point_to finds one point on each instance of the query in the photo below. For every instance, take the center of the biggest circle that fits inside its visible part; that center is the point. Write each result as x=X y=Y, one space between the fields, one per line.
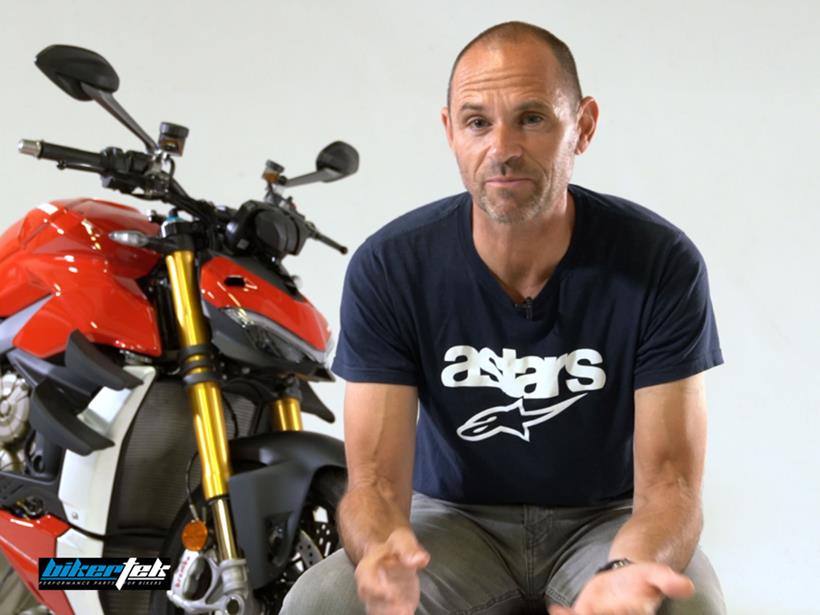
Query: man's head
x=515 y=119
x=512 y=32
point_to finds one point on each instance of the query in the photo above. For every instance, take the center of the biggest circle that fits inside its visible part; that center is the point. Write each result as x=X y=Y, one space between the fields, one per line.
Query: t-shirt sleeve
x=372 y=345
x=679 y=335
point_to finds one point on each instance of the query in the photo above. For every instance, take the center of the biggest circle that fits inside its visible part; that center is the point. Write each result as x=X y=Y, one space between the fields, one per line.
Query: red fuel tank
x=61 y=251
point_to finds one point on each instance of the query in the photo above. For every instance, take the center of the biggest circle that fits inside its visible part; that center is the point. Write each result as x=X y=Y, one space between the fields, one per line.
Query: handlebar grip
x=59 y=153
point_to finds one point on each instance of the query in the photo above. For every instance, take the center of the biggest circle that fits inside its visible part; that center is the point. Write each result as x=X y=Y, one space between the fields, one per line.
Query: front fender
x=311 y=449
x=266 y=502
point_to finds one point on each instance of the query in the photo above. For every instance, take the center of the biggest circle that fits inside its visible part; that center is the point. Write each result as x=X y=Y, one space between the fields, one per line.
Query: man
x=554 y=339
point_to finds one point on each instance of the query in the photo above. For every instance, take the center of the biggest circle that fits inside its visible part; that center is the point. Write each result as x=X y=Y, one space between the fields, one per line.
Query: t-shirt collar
x=485 y=277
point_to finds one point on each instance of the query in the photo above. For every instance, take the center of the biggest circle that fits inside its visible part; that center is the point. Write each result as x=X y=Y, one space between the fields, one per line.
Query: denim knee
x=328 y=588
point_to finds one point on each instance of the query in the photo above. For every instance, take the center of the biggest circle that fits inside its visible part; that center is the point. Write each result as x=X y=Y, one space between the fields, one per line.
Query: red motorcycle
x=125 y=342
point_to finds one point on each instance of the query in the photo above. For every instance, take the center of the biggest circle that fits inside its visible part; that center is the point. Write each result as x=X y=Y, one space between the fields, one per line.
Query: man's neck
x=523 y=256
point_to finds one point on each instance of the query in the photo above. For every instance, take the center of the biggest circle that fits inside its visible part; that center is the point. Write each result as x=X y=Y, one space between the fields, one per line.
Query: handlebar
x=124 y=171
x=275 y=229
x=111 y=160
x=60 y=153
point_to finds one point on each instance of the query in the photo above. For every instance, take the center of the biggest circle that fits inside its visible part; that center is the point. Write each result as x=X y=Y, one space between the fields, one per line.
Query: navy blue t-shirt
x=530 y=403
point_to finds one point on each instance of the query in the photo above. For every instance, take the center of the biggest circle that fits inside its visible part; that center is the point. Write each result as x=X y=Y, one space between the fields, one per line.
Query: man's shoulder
x=424 y=223
x=620 y=213
x=634 y=229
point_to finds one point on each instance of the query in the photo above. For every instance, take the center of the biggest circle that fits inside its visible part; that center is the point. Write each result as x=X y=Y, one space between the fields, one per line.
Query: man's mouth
x=506 y=181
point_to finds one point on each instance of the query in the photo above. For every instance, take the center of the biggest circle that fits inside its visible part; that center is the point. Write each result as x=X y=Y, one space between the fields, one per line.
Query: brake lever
x=325 y=239
x=329 y=242
x=63 y=166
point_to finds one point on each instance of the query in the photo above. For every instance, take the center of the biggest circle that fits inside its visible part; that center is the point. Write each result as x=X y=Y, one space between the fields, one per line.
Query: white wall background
x=709 y=116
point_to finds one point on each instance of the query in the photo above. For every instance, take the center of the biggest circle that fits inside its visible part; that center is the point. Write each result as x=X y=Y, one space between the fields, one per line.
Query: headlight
x=274 y=339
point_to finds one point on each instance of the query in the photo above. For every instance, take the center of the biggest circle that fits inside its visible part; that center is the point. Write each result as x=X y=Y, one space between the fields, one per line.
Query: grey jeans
x=499 y=560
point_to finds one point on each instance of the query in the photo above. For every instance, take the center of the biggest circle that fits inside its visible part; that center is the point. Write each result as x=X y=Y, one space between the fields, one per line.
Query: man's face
x=513 y=129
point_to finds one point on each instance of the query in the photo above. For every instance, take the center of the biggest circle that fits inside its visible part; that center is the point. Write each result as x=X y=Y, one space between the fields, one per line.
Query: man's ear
x=448 y=125
x=587 y=122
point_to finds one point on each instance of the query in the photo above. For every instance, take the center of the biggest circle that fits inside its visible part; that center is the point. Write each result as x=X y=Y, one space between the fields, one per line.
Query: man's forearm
x=664 y=528
x=367 y=515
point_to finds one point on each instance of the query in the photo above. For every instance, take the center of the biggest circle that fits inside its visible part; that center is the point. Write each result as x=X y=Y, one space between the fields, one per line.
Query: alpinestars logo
x=530 y=377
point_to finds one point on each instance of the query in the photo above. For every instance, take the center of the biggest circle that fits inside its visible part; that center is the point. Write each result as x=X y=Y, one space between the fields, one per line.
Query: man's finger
x=415 y=559
x=671 y=583
x=404 y=544
x=557 y=609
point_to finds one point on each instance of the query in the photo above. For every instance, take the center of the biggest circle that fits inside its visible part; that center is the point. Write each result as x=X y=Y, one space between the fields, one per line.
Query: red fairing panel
x=62 y=249
x=23 y=541
x=257 y=295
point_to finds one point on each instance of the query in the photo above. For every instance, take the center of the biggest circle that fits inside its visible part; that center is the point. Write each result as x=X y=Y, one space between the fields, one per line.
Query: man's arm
x=380 y=437
x=669 y=448
x=661 y=535
x=374 y=515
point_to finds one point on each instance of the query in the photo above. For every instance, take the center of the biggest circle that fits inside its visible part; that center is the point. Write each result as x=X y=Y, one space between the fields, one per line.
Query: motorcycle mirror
x=71 y=67
x=86 y=75
x=339 y=157
x=335 y=161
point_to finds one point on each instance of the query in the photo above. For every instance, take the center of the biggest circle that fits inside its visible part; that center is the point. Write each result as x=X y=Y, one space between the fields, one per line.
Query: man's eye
x=533 y=118
x=477 y=122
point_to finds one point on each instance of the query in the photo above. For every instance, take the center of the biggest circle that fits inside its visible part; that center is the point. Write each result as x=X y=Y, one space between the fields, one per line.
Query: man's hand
x=387 y=575
x=637 y=589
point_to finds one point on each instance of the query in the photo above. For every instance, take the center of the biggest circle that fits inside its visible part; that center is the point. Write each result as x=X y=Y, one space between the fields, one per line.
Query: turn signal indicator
x=195 y=535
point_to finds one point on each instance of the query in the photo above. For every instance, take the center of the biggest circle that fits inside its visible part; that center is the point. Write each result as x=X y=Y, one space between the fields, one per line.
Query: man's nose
x=505 y=143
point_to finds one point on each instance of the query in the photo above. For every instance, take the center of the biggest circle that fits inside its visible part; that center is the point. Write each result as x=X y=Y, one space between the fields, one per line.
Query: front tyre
x=317 y=538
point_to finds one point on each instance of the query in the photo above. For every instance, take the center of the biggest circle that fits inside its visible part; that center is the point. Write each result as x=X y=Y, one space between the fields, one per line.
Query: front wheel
x=317 y=538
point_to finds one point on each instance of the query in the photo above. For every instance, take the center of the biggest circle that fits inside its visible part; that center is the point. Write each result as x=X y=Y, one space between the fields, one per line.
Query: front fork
x=205 y=396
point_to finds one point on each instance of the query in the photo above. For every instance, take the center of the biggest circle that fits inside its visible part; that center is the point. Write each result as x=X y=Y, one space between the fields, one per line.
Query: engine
x=14 y=410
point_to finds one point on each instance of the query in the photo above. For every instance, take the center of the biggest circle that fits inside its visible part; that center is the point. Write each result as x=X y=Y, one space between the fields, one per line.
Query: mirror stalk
x=106 y=101
x=335 y=161
x=325 y=175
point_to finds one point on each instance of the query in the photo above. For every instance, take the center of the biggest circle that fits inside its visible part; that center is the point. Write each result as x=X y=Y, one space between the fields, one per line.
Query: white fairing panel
x=75 y=544
x=87 y=482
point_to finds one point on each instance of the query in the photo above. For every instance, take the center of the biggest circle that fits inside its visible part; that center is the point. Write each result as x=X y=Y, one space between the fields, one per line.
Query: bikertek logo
x=104 y=573
x=530 y=377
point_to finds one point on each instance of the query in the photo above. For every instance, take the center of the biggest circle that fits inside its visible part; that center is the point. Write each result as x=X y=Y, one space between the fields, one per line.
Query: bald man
x=554 y=340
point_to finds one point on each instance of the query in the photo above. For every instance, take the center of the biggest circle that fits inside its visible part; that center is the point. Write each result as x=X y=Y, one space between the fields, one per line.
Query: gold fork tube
x=211 y=438
x=224 y=529
x=205 y=398
x=287 y=414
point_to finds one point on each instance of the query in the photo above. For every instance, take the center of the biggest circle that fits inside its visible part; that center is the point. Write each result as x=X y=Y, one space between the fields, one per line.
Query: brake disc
x=307 y=551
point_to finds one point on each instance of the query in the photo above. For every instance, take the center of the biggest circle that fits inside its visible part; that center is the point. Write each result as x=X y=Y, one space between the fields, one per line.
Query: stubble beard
x=504 y=207
x=523 y=211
